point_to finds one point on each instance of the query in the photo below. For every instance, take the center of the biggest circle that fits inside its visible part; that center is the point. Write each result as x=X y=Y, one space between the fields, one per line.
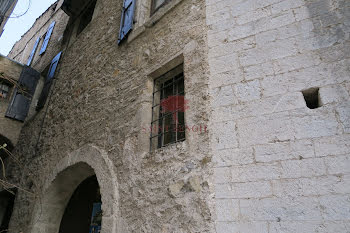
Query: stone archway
x=63 y=181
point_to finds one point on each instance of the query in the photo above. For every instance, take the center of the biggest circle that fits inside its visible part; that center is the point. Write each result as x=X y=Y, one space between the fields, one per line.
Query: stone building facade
x=6 y=9
x=267 y=117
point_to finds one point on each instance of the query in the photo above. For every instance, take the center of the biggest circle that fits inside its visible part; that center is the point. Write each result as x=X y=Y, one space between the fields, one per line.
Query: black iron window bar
x=162 y=132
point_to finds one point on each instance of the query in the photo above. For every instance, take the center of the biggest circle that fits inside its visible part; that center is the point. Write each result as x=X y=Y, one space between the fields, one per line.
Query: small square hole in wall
x=312 y=98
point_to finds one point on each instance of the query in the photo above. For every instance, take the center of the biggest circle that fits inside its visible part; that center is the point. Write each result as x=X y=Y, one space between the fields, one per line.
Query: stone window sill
x=158 y=15
x=172 y=148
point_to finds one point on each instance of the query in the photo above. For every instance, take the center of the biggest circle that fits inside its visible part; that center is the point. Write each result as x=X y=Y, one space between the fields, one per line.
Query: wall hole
x=312 y=98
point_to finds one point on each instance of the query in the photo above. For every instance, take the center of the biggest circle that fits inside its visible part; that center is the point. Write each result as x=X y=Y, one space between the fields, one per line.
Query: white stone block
x=284 y=151
x=244 y=190
x=338 y=164
x=232 y=157
x=265 y=129
x=222 y=175
x=248 y=91
x=255 y=172
x=335 y=145
x=296 y=62
x=233 y=46
x=301 y=13
x=259 y=71
x=312 y=124
x=253 y=15
x=226 y=78
x=224 y=64
x=286 y=5
x=335 y=207
x=270 y=51
x=223 y=96
x=303 y=168
x=334 y=94
x=227 y=209
x=343 y=111
x=224 y=135
x=324 y=185
x=241 y=227
x=218 y=16
x=281 y=209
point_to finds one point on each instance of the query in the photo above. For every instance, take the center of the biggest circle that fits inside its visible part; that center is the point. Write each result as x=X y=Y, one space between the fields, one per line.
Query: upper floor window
x=4 y=89
x=168 y=117
x=86 y=17
x=156 y=4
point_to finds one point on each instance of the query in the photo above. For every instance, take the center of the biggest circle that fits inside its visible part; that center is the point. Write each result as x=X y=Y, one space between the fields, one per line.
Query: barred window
x=169 y=105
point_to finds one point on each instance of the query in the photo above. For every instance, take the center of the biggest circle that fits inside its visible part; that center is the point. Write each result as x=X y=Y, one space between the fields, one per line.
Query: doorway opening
x=7 y=200
x=83 y=212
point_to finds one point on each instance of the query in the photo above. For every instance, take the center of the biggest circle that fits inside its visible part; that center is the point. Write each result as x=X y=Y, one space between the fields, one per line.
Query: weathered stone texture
x=279 y=166
x=103 y=96
x=268 y=163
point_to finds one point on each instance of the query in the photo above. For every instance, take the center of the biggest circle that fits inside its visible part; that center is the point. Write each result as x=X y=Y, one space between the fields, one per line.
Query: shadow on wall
x=331 y=20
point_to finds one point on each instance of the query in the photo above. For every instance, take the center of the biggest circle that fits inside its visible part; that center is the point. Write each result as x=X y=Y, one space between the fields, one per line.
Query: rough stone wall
x=280 y=166
x=103 y=96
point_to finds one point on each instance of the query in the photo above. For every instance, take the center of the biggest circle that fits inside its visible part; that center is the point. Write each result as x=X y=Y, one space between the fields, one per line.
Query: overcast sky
x=16 y=27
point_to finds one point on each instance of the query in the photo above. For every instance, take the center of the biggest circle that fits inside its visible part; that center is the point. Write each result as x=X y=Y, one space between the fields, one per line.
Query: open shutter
x=30 y=59
x=127 y=19
x=47 y=37
x=22 y=96
x=48 y=82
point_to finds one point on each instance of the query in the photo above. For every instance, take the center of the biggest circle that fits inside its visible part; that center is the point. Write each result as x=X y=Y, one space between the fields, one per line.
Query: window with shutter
x=48 y=82
x=23 y=93
x=127 y=19
x=31 y=56
x=47 y=37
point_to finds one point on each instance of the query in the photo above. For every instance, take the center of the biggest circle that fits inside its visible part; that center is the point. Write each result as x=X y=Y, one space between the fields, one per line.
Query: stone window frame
x=144 y=19
x=146 y=98
x=154 y=9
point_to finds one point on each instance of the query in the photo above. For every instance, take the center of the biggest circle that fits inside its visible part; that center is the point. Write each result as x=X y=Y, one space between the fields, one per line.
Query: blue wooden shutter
x=47 y=37
x=22 y=96
x=48 y=82
x=127 y=19
x=30 y=59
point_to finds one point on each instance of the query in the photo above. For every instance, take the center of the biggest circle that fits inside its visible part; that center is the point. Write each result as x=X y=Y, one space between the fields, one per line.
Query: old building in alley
x=181 y=116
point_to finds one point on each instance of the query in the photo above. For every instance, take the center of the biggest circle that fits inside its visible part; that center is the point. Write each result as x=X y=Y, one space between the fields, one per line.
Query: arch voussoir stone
x=64 y=179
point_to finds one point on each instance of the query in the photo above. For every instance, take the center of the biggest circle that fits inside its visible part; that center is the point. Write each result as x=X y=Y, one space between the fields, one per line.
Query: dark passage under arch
x=77 y=215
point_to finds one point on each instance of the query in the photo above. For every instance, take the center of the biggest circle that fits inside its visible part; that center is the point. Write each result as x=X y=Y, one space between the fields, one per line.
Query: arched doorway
x=83 y=213
x=80 y=168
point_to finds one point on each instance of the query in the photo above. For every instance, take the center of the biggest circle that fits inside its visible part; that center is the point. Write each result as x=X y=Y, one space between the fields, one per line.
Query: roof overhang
x=73 y=7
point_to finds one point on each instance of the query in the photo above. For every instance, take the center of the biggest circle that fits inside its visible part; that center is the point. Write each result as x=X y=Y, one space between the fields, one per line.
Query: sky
x=17 y=26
